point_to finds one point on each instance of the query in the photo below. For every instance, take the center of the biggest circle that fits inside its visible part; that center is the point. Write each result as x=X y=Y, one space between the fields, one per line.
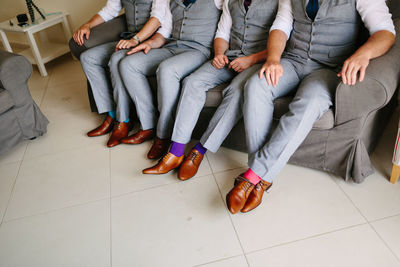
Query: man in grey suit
x=101 y=63
x=320 y=53
x=181 y=46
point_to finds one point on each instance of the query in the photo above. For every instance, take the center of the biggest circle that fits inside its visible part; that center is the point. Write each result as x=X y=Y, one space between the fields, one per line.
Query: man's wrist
x=137 y=39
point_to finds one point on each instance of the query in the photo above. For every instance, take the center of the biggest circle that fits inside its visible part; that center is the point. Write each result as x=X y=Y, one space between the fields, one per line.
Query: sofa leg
x=395 y=174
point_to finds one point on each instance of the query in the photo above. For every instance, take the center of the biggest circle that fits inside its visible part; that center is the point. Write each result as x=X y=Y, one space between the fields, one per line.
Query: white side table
x=41 y=52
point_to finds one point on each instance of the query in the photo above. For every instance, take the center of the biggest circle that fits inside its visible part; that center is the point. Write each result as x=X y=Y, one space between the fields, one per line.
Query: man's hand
x=220 y=61
x=273 y=71
x=241 y=63
x=84 y=30
x=126 y=44
x=352 y=66
x=145 y=47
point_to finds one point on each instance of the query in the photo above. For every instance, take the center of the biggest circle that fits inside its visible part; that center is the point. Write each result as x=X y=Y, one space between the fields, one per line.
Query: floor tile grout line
x=384 y=218
x=61 y=151
x=56 y=210
x=384 y=242
x=348 y=197
x=219 y=260
x=49 y=73
x=366 y=219
x=230 y=218
x=157 y=186
x=14 y=184
x=307 y=238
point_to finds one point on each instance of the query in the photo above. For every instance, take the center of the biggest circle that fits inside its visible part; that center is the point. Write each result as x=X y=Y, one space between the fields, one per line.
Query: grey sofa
x=20 y=117
x=342 y=139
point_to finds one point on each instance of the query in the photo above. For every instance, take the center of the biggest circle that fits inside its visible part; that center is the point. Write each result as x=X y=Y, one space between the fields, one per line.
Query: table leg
x=5 y=42
x=36 y=54
x=395 y=174
x=67 y=32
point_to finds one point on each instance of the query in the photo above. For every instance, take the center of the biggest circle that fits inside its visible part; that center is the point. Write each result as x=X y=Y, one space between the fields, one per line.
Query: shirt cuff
x=222 y=36
x=385 y=27
x=164 y=32
x=286 y=30
x=105 y=16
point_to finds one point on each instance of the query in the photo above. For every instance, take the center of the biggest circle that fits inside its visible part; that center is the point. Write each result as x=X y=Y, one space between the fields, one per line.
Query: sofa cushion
x=281 y=106
x=6 y=101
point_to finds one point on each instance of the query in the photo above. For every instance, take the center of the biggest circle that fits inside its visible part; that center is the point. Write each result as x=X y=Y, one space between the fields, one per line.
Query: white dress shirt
x=114 y=7
x=166 y=27
x=374 y=13
x=225 y=23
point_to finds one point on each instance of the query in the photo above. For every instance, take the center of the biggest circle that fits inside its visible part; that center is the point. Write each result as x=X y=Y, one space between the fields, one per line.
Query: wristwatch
x=136 y=38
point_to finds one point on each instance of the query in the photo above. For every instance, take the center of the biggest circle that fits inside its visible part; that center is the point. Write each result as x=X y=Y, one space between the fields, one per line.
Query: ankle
x=199 y=147
x=252 y=177
x=177 y=149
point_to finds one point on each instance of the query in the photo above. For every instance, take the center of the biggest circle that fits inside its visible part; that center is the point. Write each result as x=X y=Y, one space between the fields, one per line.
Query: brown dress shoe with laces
x=104 y=128
x=190 y=165
x=159 y=148
x=256 y=195
x=166 y=164
x=139 y=137
x=237 y=197
x=121 y=130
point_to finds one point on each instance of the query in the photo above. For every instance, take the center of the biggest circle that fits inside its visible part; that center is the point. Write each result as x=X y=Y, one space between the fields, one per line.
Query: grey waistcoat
x=331 y=38
x=249 y=32
x=137 y=13
x=195 y=25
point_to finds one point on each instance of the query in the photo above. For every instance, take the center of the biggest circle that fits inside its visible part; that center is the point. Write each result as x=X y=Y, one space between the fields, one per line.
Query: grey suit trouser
x=171 y=64
x=193 y=98
x=101 y=66
x=314 y=86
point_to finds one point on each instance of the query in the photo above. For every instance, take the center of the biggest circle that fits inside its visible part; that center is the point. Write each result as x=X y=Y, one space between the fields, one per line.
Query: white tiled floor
x=67 y=200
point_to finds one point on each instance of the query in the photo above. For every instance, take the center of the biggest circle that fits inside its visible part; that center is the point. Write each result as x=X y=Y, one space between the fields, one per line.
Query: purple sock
x=177 y=149
x=199 y=147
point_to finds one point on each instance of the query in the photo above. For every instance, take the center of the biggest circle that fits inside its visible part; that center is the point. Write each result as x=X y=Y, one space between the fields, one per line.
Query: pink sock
x=252 y=177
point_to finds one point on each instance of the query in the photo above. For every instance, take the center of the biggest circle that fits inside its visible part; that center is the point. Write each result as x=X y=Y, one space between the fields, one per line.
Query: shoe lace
x=193 y=156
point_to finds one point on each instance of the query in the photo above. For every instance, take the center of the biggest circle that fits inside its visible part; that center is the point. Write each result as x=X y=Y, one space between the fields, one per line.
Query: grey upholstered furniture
x=342 y=139
x=20 y=117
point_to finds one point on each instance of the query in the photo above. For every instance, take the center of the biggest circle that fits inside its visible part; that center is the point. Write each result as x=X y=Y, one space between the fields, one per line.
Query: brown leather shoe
x=166 y=164
x=237 y=197
x=190 y=165
x=159 y=148
x=139 y=137
x=121 y=130
x=104 y=128
x=256 y=195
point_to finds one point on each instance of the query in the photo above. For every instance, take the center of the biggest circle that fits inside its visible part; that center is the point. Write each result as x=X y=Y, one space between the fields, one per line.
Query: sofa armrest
x=381 y=81
x=103 y=33
x=15 y=71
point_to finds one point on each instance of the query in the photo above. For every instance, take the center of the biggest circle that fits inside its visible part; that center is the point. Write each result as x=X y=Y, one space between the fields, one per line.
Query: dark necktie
x=312 y=9
x=247 y=3
x=188 y=2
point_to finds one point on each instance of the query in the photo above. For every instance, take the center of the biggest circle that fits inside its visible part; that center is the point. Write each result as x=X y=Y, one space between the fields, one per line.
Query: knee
x=87 y=57
x=255 y=91
x=127 y=67
x=165 y=69
x=115 y=59
x=314 y=105
x=192 y=86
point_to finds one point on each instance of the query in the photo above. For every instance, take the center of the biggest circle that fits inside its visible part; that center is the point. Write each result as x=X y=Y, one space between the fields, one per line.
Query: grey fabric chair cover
x=20 y=117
